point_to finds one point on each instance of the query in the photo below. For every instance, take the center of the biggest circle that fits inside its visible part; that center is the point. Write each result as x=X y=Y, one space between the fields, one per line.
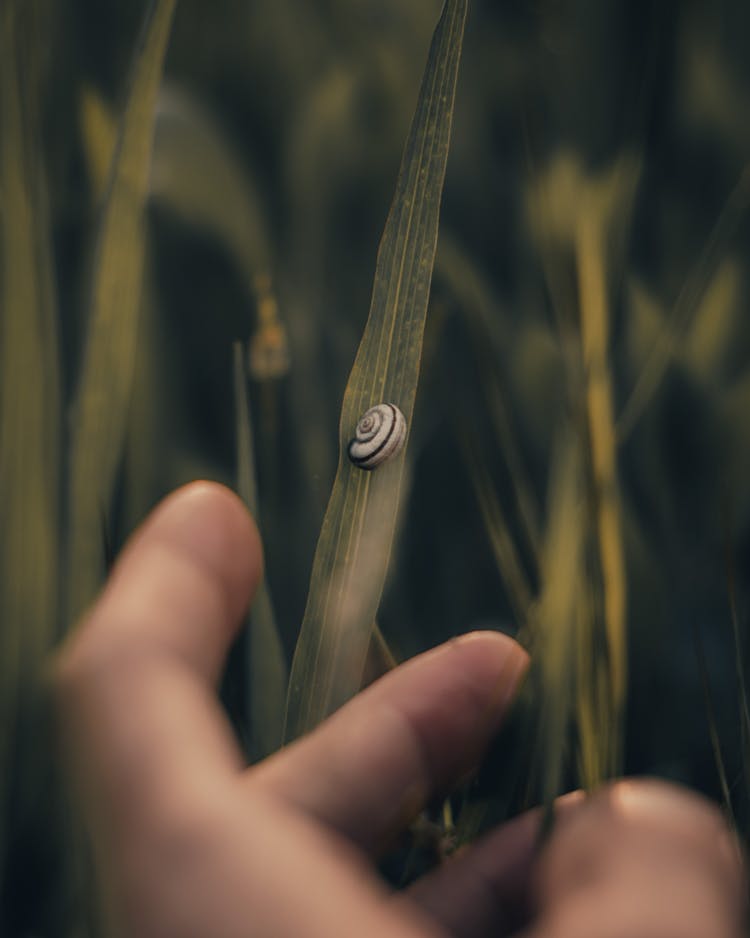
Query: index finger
x=411 y=736
x=135 y=681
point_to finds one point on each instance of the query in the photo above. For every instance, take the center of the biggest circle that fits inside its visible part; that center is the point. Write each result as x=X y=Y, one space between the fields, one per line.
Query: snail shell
x=379 y=435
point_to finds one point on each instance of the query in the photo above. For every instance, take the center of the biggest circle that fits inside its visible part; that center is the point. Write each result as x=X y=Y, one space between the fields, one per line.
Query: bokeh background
x=278 y=138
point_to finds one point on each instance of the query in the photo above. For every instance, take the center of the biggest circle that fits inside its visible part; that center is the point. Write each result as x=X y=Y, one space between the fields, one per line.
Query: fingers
x=637 y=859
x=486 y=888
x=182 y=583
x=641 y=858
x=413 y=734
x=180 y=848
x=134 y=681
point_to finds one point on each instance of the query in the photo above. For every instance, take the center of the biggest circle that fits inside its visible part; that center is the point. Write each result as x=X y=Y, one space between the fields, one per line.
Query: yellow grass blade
x=105 y=383
x=558 y=615
x=586 y=217
x=719 y=319
x=590 y=241
x=29 y=419
x=266 y=672
x=99 y=133
x=352 y=555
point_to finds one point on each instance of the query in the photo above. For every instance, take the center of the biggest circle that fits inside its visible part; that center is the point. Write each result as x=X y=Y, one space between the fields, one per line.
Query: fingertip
x=210 y=524
x=492 y=650
x=639 y=819
x=181 y=585
x=409 y=737
x=492 y=662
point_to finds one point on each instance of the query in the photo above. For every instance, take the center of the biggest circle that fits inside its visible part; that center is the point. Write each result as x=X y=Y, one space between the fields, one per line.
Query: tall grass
x=266 y=672
x=603 y=676
x=30 y=413
x=105 y=383
x=574 y=380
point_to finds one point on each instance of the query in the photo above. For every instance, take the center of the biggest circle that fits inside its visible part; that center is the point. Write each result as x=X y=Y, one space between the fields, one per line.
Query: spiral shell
x=380 y=434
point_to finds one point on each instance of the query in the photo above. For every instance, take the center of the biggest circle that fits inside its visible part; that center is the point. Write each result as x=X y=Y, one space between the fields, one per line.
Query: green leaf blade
x=351 y=559
x=266 y=665
x=30 y=407
x=105 y=384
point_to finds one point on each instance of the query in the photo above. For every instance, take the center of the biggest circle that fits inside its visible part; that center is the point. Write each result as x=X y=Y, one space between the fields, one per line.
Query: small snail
x=379 y=435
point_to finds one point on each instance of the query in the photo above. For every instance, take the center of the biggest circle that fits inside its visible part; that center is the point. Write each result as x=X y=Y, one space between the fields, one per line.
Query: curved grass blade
x=713 y=727
x=266 y=669
x=528 y=762
x=352 y=555
x=29 y=429
x=499 y=534
x=199 y=176
x=106 y=378
x=685 y=306
x=489 y=334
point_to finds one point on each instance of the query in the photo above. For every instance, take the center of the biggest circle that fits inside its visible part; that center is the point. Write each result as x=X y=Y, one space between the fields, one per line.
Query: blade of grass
x=713 y=726
x=552 y=195
x=605 y=506
x=497 y=792
x=712 y=336
x=739 y=658
x=29 y=419
x=266 y=672
x=489 y=337
x=380 y=657
x=199 y=176
x=352 y=555
x=99 y=134
x=557 y=621
x=143 y=433
x=685 y=306
x=498 y=532
x=105 y=383
x=596 y=727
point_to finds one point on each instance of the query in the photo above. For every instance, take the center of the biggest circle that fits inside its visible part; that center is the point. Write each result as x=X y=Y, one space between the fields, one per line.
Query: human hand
x=190 y=842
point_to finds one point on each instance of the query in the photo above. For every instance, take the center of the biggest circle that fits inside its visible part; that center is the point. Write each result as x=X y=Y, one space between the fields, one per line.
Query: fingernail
x=500 y=664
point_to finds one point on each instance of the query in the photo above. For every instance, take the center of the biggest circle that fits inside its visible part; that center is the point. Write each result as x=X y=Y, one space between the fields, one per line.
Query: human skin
x=190 y=842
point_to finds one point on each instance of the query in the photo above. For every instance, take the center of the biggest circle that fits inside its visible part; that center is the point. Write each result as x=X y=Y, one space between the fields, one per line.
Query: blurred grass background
x=585 y=392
